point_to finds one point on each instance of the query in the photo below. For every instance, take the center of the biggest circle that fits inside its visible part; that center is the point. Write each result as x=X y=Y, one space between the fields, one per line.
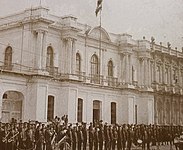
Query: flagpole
x=100 y=44
x=99 y=10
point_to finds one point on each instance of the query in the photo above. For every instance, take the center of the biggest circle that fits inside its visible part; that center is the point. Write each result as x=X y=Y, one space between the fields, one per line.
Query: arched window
x=50 y=111
x=78 y=63
x=94 y=65
x=49 y=58
x=166 y=75
x=113 y=113
x=160 y=111
x=5 y=96
x=80 y=110
x=175 y=77
x=110 y=68
x=175 y=113
x=8 y=58
x=168 y=112
x=95 y=77
x=158 y=74
x=133 y=74
x=12 y=106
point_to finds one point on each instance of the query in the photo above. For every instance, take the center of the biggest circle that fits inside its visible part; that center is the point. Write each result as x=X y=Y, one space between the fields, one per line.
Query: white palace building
x=52 y=65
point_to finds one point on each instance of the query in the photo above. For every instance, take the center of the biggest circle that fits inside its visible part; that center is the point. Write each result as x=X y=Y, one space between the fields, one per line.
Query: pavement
x=162 y=147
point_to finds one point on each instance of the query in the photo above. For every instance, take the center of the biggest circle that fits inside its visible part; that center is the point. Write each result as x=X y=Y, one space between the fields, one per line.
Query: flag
x=99 y=6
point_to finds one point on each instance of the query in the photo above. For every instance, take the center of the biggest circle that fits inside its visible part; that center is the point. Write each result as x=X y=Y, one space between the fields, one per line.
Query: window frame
x=113 y=112
x=80 y=110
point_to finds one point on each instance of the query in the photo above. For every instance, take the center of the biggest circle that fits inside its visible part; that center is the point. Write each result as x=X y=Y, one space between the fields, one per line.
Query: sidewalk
x=162 y=147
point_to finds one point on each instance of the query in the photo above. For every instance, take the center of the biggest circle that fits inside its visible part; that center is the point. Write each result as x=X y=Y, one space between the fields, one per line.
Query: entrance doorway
x=96 y=110
x=12 y=106
x=50 y=109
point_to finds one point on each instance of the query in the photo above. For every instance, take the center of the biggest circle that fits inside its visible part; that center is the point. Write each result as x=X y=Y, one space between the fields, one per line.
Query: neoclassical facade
x=52 y=65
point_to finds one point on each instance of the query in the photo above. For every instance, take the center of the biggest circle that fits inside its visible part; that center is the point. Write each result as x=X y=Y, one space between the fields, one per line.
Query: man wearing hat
x=84 y=132
x=80 y=137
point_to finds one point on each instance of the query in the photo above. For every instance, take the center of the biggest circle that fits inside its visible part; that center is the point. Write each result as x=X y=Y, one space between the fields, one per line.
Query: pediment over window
x=95 y=33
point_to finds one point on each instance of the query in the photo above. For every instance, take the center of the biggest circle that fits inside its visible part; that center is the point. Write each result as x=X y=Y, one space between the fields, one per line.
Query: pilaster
x=44 y=50
x=70 y=55
x=39 y=49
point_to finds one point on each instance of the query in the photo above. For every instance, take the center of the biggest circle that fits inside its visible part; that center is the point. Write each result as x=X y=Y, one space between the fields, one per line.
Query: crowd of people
x=59 y=134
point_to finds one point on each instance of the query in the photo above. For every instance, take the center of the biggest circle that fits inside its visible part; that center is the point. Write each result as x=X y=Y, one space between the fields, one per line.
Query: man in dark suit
x=69 y=134
x=106 y=137
x=84 y=132
x=115 y=137
x=91 y=137
x=119 y=145
x=129 y=137
x=96 y=138
x=80 y=137
x=74 y=137
x=101 y=137
x=1 y=135
x=123 y=136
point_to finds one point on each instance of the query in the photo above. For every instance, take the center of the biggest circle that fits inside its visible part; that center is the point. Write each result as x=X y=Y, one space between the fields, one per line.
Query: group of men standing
x=82 y=136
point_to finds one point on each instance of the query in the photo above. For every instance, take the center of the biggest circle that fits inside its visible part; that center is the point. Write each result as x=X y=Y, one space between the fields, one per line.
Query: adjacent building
x=53 y=65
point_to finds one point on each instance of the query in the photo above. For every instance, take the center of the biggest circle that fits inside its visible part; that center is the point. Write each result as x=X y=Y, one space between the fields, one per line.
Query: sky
x=162 y=19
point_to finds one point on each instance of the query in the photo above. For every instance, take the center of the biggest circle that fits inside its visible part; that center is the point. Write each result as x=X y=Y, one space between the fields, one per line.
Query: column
x=164 y=110
x=44 y=50
x=155 y=80
x=163 y=72
x=179 y=76
x=65 y=55
x=122 y=68
x=130 y=69
x=39 y=46
x=179 y=113
x=168 y=74
x=171 y=75
x=143 y=72
x=69 y=55
x=138 y=72
x=126 y=69
x=155 y=112
x=73 y=60
x=149 y=74
x=172 y=110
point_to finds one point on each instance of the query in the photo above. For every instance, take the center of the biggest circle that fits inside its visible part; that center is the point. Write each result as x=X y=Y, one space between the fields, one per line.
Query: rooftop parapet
x=70 y=21
x=37 y=11
x=167 y=50
x=126 y=40
x=144 y=45
x=24 y=15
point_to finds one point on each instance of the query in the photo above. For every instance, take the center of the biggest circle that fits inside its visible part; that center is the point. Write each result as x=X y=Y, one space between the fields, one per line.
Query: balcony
x=96 y=79
x=52 y=70
x=111 y=81
x=6 y=67
x=81 y=75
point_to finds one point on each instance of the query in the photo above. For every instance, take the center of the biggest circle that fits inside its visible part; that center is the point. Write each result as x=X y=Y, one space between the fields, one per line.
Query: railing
x=81 y=75
x=164 y=49
x=52 y=70
x=112 y=81
x=175 y=88
x=96 y=79
x=6 y=67
x=14 y=67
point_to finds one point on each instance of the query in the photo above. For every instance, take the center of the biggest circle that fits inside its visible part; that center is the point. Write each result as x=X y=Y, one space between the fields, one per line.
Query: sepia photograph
x=91 y=74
